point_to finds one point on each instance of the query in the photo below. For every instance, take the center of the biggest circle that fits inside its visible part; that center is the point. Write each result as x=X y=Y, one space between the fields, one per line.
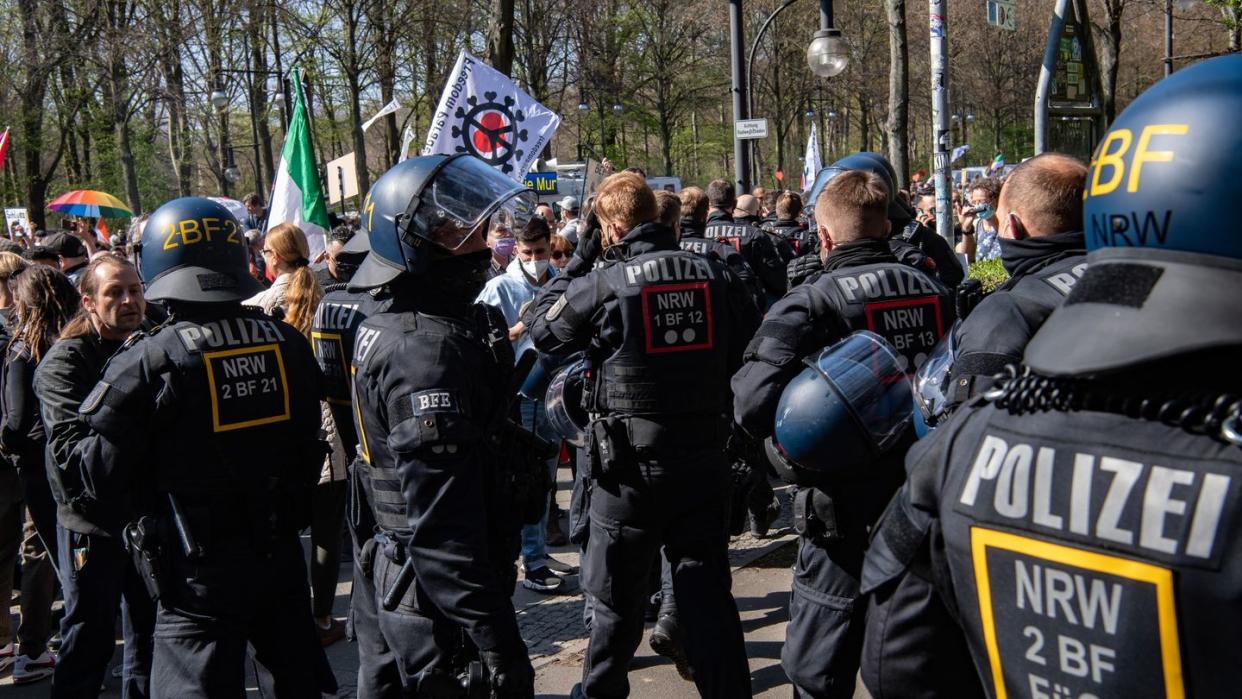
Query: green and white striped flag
x=296 y=196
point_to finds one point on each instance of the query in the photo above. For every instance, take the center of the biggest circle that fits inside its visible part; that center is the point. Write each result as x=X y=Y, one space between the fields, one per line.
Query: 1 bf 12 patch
x=248 y=387
x=677 y=317
x=1064 y=623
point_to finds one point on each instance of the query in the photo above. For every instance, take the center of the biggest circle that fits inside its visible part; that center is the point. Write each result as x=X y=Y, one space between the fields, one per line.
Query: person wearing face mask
x=529 y=271
x=501 y=241
x=1043 y=249
x=980 y=225
x=431 y=381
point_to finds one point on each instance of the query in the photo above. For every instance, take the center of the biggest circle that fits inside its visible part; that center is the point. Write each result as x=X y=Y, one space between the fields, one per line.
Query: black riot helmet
x=432 y=207
x=193 y=250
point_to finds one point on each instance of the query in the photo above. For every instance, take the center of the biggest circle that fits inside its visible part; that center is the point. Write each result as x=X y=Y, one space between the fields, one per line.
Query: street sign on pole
x=750 y=128
x=1000 y=14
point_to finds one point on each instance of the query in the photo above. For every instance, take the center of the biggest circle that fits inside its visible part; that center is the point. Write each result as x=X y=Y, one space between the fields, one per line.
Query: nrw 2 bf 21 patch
x=1061 y=622
x=248 y=387
x=677 y=317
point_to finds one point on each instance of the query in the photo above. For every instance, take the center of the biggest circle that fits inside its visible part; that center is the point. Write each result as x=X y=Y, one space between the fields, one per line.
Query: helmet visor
x=931 y=381
x=864 y=371
x=461 y=196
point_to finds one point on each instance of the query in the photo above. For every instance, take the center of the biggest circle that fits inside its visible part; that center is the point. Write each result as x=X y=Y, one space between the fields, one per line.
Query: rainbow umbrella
x=90 y=203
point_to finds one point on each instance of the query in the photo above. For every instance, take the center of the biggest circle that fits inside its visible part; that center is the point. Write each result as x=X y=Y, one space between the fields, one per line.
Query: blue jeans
x=534 y=536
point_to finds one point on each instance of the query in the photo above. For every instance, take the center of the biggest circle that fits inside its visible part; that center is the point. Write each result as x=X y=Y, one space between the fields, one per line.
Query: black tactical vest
x=233 y=433
x=427 y=396
x=804 y=241
x=1093 y=554
x=669 y=354
x=333 y=330
x=906 y=307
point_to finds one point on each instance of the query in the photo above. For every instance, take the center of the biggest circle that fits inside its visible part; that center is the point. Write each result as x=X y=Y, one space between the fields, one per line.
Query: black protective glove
x=512 y=674
x=969 y=294
x=802 y=268
x=588 y=249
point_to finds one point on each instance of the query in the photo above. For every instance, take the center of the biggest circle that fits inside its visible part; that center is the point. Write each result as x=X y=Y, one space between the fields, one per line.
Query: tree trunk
x=500 y=37
x=1110 y=56
x=265 y=168
x=898 y=91
x=353 y=77
x=32 y=94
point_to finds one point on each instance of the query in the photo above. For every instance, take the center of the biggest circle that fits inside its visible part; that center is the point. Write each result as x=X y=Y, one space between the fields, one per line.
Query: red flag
x=101 y=229
x=4 y=146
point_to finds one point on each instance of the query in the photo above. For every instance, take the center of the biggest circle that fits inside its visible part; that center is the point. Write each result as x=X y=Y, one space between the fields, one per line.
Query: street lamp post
x=220 y=99
x=583 y=108
x=741 y=153
x=618 y=109
x=827 y=55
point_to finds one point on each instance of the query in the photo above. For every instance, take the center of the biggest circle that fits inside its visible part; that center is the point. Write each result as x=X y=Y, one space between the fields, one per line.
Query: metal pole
x=1045 y=76
x=825 y=14
x=741 y=155
x=940 y=116
x=1168 y=38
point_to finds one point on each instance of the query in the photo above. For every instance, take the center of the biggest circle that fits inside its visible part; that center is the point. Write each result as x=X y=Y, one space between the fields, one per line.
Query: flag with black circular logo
x=484 y=113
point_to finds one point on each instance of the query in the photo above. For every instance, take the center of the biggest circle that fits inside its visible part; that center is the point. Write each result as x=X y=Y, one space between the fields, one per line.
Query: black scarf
x=858 y=253
x=1022 y=257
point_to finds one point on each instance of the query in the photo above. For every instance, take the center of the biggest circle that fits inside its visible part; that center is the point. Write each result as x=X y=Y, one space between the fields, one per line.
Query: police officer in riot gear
x=432 y=378
x=754 y=244
x=1079 y=519
x=802 y=240
x=333 y=334
x=1042 y=248
x=201 y=458
x=690 y=227
x=663 y=329
x=862 y=287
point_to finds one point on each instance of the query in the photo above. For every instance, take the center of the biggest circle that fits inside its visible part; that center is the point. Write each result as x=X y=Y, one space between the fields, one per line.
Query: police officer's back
x=1043 y=250
x=202 y=456
x=1083 y=513
x=863 y=287
x=754 y=245
x=430 y=383
x=690 y=229
x=801 y=239
x=663 y=329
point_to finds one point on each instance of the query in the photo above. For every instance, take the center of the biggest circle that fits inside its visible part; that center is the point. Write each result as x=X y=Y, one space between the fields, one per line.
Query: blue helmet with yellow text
x=1165 y=251
x=194 y=250
x=433 y=205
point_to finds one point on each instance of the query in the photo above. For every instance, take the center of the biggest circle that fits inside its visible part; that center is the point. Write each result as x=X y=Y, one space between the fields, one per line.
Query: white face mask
x=535 y=268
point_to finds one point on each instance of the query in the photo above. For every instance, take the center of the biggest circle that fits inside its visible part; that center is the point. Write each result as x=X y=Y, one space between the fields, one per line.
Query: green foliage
x=990 y=273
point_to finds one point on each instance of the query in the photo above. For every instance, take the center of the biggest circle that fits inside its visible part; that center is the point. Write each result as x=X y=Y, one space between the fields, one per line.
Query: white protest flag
x=385 y=111
x=485 y=114
x=407 y=137
x=811 y=163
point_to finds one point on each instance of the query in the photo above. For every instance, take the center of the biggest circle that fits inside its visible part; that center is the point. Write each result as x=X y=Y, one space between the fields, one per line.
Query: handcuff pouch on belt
x=815 y=516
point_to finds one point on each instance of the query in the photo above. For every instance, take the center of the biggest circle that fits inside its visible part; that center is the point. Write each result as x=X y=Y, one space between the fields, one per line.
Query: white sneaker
x=7 y=655
x=29 y=669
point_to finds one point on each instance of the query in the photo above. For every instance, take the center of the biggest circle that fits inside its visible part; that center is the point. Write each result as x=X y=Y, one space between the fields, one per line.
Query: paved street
x=552 y=626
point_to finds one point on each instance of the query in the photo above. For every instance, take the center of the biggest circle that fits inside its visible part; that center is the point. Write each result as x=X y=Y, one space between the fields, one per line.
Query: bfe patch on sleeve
x=677 y=317
x=248 y=387
x=1065 y=623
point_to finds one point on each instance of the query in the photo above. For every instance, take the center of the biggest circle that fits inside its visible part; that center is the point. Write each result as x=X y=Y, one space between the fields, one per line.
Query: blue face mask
x=985 y=212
